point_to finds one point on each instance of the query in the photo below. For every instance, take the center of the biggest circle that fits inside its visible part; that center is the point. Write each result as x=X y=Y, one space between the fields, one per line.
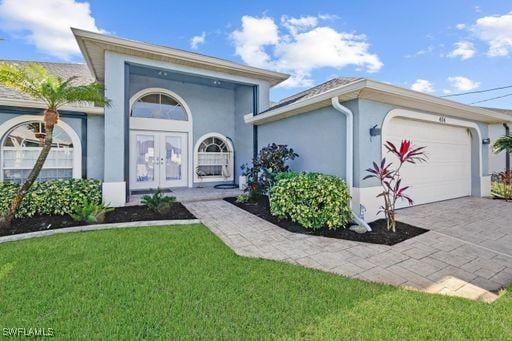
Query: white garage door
x=447 y=172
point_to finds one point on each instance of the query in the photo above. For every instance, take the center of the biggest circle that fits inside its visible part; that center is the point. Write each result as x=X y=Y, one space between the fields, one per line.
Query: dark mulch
x=118 y=215
x=378 y=235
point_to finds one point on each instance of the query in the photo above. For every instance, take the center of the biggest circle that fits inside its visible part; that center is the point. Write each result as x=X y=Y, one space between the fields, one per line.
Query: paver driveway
x=469 y=243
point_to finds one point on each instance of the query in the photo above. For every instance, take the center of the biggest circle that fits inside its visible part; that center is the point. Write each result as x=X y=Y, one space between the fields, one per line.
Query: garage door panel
x=447 y=172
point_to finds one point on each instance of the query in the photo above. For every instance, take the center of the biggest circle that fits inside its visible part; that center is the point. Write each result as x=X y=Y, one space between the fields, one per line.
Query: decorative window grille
x=159 y=105
x=214 y=159
x=21 y=147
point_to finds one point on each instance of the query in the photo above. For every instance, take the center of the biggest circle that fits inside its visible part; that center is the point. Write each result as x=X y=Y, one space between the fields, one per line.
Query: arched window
x=21 y=147
x=214 y=158
x=159 y=105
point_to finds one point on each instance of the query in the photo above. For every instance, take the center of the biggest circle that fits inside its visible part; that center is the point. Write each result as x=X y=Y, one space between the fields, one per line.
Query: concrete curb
x=96 y=227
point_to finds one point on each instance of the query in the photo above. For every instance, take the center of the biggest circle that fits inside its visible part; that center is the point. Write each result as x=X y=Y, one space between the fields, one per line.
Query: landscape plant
x=501 y=186
x=158 y=201
x=34 y=80
x=90 y=212
x=504 y=143
x=313 y=200
x=391 y=180
x=271 y=160
x=54 y=197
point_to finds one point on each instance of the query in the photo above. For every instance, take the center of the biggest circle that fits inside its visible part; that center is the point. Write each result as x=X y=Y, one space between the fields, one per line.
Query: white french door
x=157 y=159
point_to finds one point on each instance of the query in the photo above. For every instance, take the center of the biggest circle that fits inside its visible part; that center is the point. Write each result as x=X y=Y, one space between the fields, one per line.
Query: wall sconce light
x=375 y=131
x=486 y=141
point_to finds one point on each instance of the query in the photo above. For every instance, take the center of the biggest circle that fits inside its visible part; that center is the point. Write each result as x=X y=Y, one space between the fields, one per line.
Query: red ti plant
x=390 y=179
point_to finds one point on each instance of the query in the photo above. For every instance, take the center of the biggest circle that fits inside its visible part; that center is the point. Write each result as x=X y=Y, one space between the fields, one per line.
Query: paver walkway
x=466 y=251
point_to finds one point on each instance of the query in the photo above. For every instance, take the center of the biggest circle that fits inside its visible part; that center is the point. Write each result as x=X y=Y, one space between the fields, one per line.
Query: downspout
x=349 y=171
x=507 y=153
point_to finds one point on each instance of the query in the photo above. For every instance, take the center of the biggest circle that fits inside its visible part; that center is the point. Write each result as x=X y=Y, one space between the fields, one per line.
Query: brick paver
x=448 y=254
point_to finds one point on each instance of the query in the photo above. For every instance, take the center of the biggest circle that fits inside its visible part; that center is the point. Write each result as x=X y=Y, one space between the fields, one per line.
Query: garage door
x=447 y=172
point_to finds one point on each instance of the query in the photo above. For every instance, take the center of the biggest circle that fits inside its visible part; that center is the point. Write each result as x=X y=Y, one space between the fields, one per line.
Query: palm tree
x=503 y=143
x=55 y=92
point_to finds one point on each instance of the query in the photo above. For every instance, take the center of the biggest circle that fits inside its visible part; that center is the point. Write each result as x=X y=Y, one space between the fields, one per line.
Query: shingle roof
x=63 y=70
x=500 y=110
x=316 y=90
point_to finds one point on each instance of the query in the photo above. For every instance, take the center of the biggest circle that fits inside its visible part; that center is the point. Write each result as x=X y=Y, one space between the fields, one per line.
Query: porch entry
x=158 y=159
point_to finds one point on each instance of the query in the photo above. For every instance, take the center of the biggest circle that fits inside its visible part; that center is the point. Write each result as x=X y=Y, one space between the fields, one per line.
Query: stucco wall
x=243 y=131
x=95 y=146
x=496 y=161
x=318 y=137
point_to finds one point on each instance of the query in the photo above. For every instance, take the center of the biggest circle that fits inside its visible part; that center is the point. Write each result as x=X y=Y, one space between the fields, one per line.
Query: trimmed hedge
x=55 y=197
x=312 y=200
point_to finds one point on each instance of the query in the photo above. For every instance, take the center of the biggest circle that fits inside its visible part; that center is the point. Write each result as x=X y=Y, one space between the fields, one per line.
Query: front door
x=157 y=159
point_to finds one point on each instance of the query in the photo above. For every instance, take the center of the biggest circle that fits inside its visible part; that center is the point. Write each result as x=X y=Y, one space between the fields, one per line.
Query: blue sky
x=441 y=47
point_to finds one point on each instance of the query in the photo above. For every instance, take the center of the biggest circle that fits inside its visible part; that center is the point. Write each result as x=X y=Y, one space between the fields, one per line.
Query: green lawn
x=184 y=282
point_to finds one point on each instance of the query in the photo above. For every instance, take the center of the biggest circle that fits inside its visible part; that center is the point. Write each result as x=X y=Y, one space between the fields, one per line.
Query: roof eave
x=203 y=61
x=382 y=92
x=41 y=105
x=318 y=101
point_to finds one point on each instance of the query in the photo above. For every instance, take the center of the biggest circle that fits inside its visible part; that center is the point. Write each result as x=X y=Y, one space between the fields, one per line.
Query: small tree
x=35 y=81
x=504 y=143
x=390 y=178
x=271 y=160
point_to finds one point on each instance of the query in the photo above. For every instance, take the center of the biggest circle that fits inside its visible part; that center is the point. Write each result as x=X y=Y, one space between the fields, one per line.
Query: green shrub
x=90 y=212
x=55 y=197
x=243 y=198
x=270 y=161
x=158 y=202
x=312 y=200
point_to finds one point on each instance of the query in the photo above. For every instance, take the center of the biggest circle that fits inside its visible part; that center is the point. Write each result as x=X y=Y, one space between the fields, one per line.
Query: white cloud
x=496 y=31
x=421 y=52
x=423 y=85
x=252 y=39
x=463 y=50
x=460 y=26
x=198 y=40
x=46 y=24
x=301 y=46
x=460 y=83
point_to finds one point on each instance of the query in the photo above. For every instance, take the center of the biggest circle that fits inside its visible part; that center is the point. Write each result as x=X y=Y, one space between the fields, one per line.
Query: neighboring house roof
x=348 y=88
x=94 y=45
x=316 y=90
x=65 y=71
x=500 y=110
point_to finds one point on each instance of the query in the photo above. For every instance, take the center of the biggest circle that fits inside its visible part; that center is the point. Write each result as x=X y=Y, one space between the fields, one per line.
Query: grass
x=183 y=282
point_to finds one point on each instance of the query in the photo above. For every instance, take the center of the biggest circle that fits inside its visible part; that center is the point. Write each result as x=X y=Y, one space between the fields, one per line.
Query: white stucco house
x=179 y=119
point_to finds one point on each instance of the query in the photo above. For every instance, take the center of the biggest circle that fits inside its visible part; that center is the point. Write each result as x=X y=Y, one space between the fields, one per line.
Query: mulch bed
x=118 y=215
x=378 y=235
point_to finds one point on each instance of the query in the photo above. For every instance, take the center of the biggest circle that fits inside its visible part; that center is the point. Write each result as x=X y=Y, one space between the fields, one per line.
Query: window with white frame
x=214 y=158
x=21 y=147
x=159 y=105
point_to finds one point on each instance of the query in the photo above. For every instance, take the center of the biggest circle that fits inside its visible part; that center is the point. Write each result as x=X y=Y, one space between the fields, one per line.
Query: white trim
x=381 y=92
x=441 y=120
x=349 y=164
x=231 y=149
x=77 y=144
x=155 y=90
x=349 y=159
x=139 y=123
x=26 y=103
x=107 y=42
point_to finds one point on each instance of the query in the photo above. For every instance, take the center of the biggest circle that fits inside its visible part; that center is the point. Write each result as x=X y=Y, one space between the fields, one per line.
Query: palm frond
x=27 y=79
x=35 y=81
x=504 y=143
x=84 y=93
